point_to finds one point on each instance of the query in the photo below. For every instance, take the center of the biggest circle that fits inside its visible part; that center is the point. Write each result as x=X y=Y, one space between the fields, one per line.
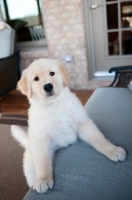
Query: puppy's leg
x=29 y=169
x=89 y=133
x=42 y=157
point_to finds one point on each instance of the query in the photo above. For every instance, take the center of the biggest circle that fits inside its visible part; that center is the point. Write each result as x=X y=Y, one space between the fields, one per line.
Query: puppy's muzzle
x=48 y=87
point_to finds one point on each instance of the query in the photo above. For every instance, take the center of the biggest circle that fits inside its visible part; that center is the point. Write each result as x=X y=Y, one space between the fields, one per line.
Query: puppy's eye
x=36 y=78
x=52 y=73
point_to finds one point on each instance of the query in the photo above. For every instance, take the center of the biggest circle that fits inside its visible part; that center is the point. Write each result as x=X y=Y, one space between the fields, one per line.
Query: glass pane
x=112 y=16
x=126 y=42
x=18 y=10
x=113 y=43
x=126 y=14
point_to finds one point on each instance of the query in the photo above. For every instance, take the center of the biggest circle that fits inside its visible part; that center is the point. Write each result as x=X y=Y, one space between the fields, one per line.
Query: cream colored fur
x=55 y=121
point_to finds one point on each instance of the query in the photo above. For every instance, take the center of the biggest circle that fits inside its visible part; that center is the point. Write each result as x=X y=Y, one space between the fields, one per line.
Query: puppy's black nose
x=48 y=87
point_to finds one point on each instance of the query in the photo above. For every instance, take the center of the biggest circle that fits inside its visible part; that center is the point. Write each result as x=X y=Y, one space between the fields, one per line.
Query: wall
x=27 y=57
x=65 y=31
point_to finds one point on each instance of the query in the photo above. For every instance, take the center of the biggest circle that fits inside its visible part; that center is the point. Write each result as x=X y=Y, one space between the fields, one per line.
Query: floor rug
x=12 y=181
x=13 y=119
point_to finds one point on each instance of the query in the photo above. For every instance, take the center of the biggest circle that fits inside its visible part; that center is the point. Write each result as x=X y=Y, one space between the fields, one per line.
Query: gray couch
x=82 y=173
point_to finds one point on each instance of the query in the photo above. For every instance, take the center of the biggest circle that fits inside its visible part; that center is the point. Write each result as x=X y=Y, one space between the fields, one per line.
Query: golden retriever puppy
x=56 y=118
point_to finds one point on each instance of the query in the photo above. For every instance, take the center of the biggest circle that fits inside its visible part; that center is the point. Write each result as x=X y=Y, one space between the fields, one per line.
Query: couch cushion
x=82 y=173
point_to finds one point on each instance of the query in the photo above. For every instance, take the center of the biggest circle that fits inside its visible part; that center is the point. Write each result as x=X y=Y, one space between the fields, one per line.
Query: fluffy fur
x=56 y=119
x=130 y=85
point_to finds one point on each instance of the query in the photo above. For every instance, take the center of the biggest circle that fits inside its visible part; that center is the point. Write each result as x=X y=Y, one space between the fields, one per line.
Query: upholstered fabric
x=82 y=173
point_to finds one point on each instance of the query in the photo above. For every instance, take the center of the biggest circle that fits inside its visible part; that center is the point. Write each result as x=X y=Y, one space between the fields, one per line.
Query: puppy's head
x=45 y=78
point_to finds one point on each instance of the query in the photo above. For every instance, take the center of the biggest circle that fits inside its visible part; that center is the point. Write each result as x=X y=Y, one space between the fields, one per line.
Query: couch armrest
x=123 y=76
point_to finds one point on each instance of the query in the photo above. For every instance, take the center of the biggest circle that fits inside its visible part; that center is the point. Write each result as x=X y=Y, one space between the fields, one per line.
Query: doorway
x=109 y=34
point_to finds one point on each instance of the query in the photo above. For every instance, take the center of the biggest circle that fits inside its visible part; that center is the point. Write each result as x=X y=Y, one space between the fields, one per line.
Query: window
x=119 y=27
x=26 y=18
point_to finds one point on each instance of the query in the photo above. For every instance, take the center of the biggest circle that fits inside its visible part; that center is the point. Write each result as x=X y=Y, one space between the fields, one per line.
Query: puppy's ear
x=24 y=86
x=65 y=74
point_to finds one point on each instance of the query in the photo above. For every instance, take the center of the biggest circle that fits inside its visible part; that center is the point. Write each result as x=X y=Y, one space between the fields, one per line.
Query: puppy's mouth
x=50 y=94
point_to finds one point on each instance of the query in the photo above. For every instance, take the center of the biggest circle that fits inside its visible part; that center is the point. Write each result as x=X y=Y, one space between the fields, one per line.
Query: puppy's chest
x=58 y=124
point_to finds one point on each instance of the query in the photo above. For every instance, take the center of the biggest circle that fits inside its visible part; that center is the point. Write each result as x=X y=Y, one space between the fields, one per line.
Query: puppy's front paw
x=116 y=153
x=43 y=184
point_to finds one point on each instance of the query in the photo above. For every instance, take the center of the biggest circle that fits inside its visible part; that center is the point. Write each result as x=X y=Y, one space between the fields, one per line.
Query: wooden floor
x=16 y=103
